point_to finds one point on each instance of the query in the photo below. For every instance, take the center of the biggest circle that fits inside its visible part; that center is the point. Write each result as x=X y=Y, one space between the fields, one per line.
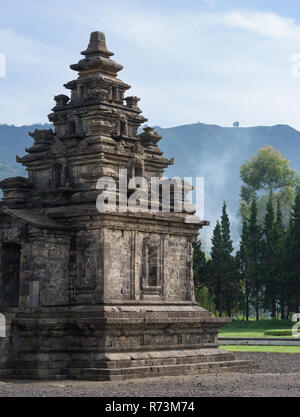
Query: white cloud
x=33 y=70
x=185 y=66
x=266 y=24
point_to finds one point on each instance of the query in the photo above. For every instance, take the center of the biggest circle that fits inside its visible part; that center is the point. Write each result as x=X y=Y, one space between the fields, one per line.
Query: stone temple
x=98 y=295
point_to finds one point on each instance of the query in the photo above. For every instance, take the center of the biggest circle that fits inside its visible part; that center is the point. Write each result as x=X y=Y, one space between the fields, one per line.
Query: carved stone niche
x=152 y=269
x=86 y=264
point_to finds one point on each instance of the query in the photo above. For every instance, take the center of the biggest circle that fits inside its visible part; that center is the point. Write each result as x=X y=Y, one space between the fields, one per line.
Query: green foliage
x=268 y=172
x=270 y=260
x=253 y=328
x=242 y=262
x=269 y=255
x=267 y=261
x=215 y=268
x=254 y=257
x=225 y=232
x=264 y=276
x=202 y=293
x=243 y=325
x=222 y=269
x=205 y=298
x=281 y=332
x=273 y=349
x=292 y=258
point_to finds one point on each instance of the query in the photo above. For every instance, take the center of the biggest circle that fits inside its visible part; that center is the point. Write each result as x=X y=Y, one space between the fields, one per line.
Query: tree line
x=263 y=275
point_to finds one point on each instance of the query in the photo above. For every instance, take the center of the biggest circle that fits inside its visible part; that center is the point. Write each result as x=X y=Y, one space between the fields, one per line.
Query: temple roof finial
x=97 y=58
x=97 y=45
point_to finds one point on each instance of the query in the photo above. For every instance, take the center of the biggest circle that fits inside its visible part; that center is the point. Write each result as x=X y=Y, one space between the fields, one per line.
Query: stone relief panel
x=147 y=267
x=152 y=271
x=50 y=266
x=119 y=276
x=177 y=272
x=86 y=262
x=41 y=177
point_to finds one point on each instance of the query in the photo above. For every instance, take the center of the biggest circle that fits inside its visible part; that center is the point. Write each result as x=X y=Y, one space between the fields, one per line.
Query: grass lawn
x=274 y=349
x=253 y=328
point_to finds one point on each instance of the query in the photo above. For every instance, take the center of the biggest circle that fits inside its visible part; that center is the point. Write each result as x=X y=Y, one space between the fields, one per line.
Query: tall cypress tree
x=282 y=282
x=230 y=267
x=215 y=268
x=294 y=259
x=223 y=268
x=254 y=257
x=242 y=259
x=288 y=268
x=269 y=267
x=225 y=230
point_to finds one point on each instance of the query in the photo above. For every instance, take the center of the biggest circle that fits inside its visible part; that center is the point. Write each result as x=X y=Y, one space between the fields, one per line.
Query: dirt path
x=278 y=375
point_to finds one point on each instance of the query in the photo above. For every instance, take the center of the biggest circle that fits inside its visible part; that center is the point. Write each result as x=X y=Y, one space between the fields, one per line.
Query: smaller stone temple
x=89 y=294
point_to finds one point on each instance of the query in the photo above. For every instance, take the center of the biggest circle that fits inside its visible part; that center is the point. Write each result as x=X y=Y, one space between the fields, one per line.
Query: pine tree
x=254 y=257
x=280 y=237
x=242 y=259
x=288 y=267
x=223 y=269
x=230 y=267
x=225 y=231
x=269 y=263
x=215 y=268
x=294 y=258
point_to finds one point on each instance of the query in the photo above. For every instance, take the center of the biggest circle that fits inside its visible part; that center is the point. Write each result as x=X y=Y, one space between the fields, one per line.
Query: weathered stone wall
x=44 y=271
x=177 y=271
x=118 y=274
x=41 y=178
x=102 y=265
x=50 y=267
x=87 y=266
x=125 y=277
x=12 y=234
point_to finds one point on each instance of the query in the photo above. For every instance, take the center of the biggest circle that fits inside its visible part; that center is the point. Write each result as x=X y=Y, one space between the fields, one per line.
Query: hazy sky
x=214 y=61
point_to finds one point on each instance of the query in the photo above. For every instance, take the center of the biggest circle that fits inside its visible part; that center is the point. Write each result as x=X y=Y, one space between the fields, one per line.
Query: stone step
x=28 y=364
x=121 y=374
x=104 y=374
x=38 y=374
x=151 y=362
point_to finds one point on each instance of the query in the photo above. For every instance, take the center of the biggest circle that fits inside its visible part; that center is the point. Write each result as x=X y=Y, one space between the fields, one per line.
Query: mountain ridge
x=200 y=150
